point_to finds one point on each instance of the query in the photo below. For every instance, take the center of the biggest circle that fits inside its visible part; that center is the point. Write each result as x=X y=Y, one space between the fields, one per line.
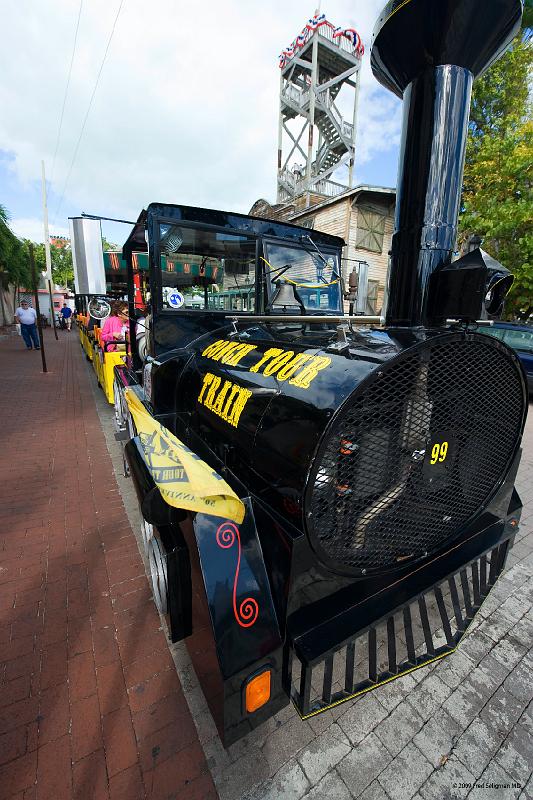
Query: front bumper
x=412 y=623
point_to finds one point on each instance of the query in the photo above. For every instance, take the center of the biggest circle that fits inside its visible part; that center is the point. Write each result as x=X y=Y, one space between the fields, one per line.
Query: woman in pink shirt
x=116 y=325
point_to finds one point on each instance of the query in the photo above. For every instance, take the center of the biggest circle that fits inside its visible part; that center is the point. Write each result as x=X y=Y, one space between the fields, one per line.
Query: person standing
x=66 y=314
x=27 y=318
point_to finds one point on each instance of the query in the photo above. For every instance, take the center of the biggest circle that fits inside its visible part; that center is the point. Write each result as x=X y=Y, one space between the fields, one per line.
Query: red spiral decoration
x=248 y=610
x=226 y=535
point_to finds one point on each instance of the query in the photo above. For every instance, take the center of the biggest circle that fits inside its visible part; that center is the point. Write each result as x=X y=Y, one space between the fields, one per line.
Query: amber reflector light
x=258 y=691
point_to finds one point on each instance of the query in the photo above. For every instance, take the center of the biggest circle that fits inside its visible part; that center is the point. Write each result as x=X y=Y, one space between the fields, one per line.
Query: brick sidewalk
x=90 y=703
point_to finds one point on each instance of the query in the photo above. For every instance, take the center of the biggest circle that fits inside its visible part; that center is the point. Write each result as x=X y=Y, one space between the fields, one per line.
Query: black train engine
x=376 y=463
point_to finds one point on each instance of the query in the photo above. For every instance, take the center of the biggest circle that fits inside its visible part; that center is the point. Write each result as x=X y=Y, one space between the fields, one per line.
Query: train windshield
x=206 y=269
x=309 y=277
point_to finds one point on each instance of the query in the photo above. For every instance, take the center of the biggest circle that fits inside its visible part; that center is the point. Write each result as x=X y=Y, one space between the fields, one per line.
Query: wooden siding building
x=364 y=218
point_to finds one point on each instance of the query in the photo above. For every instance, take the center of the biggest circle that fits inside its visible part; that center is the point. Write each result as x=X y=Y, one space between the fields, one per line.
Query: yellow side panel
x=107 y=375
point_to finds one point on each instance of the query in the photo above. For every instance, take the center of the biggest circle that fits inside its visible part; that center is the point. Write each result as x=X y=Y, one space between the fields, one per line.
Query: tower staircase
x=320 y=63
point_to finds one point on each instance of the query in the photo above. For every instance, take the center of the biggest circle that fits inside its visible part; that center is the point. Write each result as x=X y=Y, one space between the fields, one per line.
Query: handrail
x=325 y=99
x=291 y=92
x=306 y=318
x=323 y=186
x=339 y=41
x=328 y=187
x=107 y=345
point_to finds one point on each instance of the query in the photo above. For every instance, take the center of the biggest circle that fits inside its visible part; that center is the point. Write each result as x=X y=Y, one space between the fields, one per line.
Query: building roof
x=357 y=190
x=263 y=208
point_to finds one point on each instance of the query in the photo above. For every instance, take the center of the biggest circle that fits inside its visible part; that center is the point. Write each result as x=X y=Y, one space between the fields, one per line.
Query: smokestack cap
x=412 y=35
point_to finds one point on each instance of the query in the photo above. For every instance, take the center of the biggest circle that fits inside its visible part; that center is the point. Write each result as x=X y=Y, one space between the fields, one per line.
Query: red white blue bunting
x=313 y=25
x=353 y=36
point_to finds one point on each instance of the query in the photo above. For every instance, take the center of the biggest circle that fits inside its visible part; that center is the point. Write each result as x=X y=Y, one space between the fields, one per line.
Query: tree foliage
x=497 y=200
x=14 y=258
x=62 y=267
x=14 y=261
x=15 y=269
x=108 y=245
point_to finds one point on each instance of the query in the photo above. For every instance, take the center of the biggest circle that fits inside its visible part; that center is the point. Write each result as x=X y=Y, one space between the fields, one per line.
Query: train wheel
x=131 y=433
x=123 y=409
x=147 y=533
x=119 y=417
x=158 y=570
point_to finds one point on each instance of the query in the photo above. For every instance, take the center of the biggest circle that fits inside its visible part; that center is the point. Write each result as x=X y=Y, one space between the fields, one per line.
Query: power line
x=66 y=92
x=87 y=112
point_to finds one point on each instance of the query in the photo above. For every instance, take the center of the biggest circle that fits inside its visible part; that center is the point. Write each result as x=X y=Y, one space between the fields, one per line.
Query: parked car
x=520 y=338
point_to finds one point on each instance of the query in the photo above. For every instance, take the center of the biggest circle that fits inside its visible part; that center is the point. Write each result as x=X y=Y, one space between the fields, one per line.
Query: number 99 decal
x=439 y=460
x=439 y=451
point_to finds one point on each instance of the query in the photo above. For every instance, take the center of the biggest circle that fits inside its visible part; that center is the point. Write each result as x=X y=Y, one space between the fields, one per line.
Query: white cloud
x=32 y=228
x=186 y=110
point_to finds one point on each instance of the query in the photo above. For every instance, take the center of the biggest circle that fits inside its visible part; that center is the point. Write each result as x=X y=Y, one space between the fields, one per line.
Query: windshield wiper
x=279 y=273
x=321 y=255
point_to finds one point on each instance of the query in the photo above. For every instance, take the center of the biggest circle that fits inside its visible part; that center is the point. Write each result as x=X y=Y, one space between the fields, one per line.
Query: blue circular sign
x=176 y=299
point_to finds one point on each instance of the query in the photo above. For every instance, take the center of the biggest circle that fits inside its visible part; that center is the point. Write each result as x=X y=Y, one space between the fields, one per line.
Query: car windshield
x=516 y=338
x=312 y=276
x=490 y=331
x=519 y=340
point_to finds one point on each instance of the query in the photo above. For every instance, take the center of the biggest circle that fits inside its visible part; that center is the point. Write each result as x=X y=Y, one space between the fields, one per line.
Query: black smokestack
x=429 y=52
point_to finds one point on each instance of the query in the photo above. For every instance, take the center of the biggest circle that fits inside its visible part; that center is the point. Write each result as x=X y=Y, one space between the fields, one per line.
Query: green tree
x=62 y=267
x=4 y=258
x=497 y=200
x=4 y=242
x=108 y=245
x=14 y=262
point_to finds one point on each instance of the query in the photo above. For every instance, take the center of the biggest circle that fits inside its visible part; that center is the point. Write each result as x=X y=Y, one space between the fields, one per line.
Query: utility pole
x=36 y=300
x=48 y=276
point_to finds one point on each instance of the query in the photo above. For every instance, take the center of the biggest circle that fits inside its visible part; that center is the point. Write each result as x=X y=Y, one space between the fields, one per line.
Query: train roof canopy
x=221 y=219
x=136 y=241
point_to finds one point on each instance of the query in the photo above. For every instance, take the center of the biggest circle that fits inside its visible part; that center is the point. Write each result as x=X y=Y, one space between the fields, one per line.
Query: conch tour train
x=326 y=499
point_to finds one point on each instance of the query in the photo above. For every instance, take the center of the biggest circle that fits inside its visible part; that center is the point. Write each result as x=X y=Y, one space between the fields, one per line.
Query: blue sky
x=186 y=109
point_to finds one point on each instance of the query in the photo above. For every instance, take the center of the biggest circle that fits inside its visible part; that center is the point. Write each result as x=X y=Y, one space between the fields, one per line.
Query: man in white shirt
x=27 y=318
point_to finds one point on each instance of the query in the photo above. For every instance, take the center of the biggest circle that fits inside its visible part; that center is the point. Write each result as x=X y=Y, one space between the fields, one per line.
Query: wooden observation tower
x=319 y=85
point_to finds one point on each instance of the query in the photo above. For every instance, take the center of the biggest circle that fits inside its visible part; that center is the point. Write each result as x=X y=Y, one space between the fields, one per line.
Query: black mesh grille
x=377 y=500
